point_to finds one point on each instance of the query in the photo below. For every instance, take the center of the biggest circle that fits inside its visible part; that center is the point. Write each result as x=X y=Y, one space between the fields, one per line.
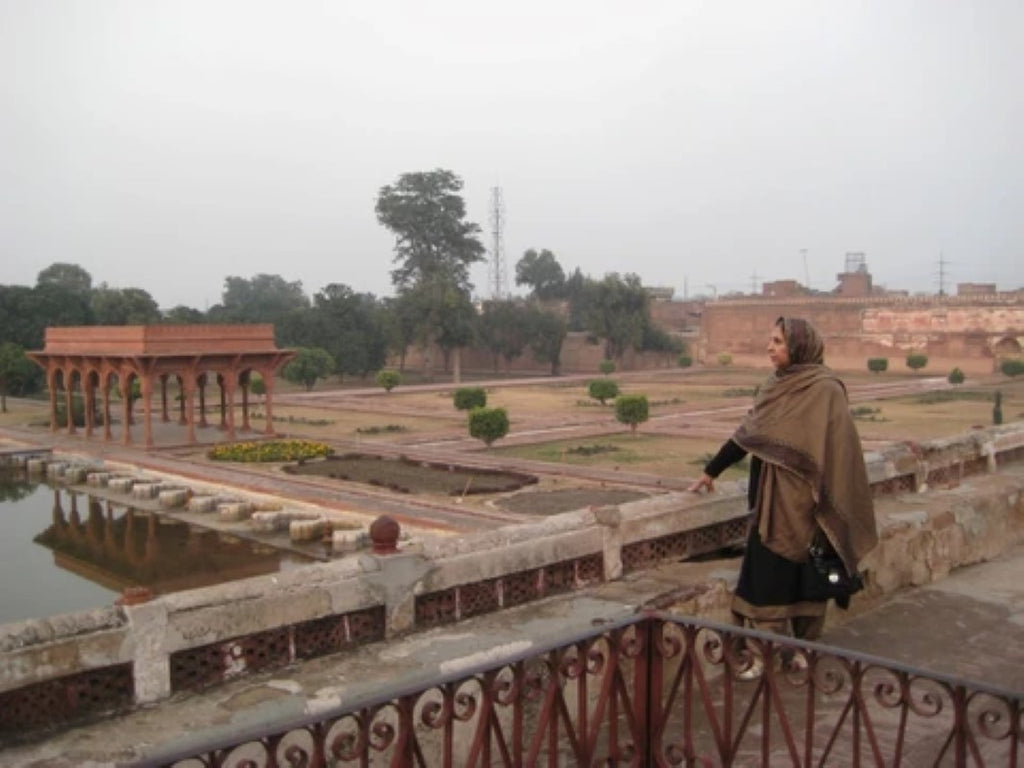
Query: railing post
x=646 y=689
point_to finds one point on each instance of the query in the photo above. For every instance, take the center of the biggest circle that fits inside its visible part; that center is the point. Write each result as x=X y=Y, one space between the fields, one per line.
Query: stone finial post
x=384 y=533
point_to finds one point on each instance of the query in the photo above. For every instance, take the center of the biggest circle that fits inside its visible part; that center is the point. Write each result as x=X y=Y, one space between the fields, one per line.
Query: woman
x=808 y=484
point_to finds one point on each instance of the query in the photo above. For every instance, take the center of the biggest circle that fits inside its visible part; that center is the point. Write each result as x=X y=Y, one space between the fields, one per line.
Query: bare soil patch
x=407 y=476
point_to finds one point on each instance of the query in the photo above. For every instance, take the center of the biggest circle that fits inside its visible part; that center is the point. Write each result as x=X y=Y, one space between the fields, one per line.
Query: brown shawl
x=813 y=473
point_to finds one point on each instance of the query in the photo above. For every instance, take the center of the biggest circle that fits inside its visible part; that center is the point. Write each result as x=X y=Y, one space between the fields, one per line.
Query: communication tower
x=497 y=270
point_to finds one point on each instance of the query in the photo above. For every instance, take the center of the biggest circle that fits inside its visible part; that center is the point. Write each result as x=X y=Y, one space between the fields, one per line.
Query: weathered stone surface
x=121 y=484
x=98 y=479
x=202 y=504
x=175 y=497
x=307 y=530
x=145 y=490
x=270 y=521
x=234 y=511
x=349 y=541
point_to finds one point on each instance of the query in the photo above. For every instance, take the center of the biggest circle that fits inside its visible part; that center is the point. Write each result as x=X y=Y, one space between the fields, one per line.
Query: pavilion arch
x=106 y=360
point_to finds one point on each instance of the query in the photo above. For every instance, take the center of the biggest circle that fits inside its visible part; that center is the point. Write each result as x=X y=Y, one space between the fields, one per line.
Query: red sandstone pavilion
x=104 y=359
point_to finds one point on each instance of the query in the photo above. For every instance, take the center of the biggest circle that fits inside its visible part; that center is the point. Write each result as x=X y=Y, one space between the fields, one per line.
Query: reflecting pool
x=65 y=551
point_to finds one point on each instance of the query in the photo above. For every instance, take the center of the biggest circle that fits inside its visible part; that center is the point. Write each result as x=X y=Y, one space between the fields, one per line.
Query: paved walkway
x=967 y=625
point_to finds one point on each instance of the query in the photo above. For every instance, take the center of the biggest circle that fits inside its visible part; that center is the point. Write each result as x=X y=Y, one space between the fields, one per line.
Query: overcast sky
x=167 y=145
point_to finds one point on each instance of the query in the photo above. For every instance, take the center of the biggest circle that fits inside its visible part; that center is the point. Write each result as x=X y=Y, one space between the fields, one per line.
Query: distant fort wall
x=971 y=332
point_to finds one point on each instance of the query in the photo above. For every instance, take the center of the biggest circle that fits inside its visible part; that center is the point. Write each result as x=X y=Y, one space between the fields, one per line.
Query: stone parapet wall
x=942 y=504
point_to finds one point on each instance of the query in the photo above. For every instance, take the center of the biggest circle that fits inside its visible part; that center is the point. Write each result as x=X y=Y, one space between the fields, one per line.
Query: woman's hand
x=704 y=482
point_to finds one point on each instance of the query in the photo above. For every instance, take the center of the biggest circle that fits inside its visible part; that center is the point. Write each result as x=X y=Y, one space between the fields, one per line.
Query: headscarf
x=813 y=474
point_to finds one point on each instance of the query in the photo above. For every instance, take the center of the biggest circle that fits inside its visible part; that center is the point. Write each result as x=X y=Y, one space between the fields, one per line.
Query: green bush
x=916 y=361
x=388 y=379
x=603 y=389
x=724 y=358
x=632 y=410
x=607 y=367
x=1012 y=367
x=468 y=398
x=878 y=364
x=684 y=361
x=956 y=376
x=488 y=424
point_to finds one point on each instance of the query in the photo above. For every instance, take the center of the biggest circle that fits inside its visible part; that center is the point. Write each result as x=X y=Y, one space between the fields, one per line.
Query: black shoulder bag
x=828 y=573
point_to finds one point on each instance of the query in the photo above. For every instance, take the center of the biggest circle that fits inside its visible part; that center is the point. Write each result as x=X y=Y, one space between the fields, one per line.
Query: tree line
x=351 y=333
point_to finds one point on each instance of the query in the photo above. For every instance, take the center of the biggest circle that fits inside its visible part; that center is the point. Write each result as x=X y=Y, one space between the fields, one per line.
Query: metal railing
x=653 y=690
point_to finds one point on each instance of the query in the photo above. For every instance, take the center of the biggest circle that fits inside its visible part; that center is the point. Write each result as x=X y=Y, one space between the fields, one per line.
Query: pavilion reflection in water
x=125 y=547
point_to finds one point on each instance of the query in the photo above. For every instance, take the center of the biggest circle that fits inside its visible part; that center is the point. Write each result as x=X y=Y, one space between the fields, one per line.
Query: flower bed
x=270 y=450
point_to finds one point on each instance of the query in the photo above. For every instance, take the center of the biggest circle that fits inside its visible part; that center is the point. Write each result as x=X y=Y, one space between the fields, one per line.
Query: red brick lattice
x=643 y=554
x=465 y=600
x=895 y=485
x=1009 y=456
x=521 y=587
x=67 y=699
x=207 y=665
x=330 y=634
x=479 y=597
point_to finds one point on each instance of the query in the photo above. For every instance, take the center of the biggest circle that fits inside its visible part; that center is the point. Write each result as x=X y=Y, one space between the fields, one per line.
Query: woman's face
x=778 y=352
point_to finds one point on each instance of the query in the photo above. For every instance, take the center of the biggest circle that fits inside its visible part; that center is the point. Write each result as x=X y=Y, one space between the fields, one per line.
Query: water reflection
x=101 y=547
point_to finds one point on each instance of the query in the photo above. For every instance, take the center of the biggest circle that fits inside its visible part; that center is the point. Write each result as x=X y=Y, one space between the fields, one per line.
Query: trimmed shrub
x=997 y=409
x=607 y=367
x=468 y=398
x=878 y=364
x=956 y=376
x=488 y=424
x=684 y=361
x=388 y=379
x=632 y=410
x=603 y=389
x=724 y=358
x=1012 y=367
x=916 y=361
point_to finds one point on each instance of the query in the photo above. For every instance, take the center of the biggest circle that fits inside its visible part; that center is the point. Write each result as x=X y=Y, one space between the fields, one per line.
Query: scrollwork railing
x=655 y=690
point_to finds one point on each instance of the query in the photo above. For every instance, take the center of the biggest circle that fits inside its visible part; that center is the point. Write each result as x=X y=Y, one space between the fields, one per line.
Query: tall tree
x=16 y=371
x=504 y=330
x=260 y=299
x=617 y=311
x=401 y=317
x=434 y=248
x=62 y=296
x=542 y=272
x=577 y=291
x=69 y=276
x=124 y=306
x=184 y=315
x=350 y=327
x=546 y=332
x=455 y=326
x=433 y=241
x=20 y=323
